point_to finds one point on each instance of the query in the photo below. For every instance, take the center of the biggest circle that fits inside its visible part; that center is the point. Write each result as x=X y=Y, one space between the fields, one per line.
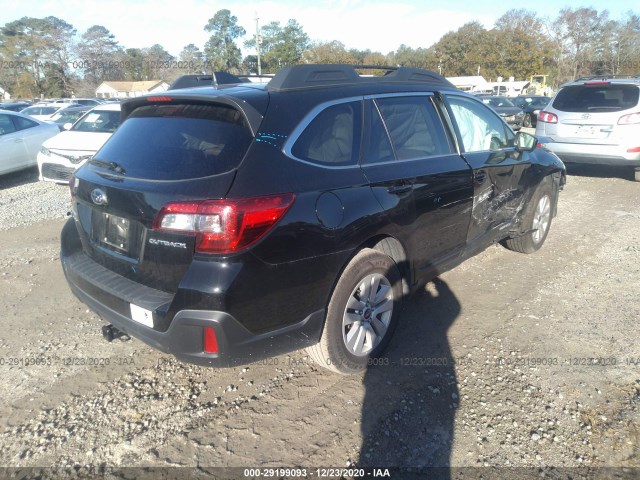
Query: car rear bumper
x=111 y=296
x=593 y=154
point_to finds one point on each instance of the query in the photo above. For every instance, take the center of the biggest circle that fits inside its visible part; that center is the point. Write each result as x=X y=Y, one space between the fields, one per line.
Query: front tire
x=537 y=221
x=362 y=313
x=527 y=120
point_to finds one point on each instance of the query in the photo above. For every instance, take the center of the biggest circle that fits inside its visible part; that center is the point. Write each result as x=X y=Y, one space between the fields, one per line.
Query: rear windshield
x=498 y=102
x=178 y=142
x=98 y=121
x=40 y=110
x=596 y=98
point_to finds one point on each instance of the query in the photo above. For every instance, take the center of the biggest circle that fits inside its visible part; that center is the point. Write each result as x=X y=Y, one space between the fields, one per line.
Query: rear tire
x=527 y=121
x=536 y=223
x=362 y=314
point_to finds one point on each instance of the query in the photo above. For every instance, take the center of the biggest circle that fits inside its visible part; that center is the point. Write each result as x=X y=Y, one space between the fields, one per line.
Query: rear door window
x=414 y=127
x=332 y=137
x=23 y=123
x=596 y=98
x=6 y=125
x=178 y=142
x=405 y=128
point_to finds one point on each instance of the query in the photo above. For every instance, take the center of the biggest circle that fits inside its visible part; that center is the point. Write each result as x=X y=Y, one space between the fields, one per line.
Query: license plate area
x=116 y=234
x=587 y=131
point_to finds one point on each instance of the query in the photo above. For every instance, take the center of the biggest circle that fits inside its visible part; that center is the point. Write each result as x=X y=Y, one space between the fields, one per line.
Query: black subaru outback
x=225 y=225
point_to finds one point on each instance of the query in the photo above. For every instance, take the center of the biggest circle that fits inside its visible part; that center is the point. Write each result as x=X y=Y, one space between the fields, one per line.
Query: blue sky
x=378 y=25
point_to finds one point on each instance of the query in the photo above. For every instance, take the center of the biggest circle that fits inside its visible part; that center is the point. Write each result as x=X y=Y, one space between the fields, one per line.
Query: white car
x=20 y=139
x=44 y=111
x=63 y=154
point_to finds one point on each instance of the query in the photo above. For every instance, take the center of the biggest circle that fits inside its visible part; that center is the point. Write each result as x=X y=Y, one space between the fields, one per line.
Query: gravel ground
x=518 y=364
x=24 y=200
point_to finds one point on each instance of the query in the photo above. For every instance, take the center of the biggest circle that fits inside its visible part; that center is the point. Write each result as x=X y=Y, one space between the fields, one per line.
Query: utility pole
x=258 y=44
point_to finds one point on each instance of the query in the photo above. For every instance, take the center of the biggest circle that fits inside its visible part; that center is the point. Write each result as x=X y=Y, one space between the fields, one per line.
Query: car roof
x=334 y=80
x=604 y=79
x=111 y=107
x=49 y=104
x=79 y=108
x=329 y=75
x=20 y=114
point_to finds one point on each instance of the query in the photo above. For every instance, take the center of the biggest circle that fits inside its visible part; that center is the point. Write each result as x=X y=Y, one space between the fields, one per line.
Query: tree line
x=47 y=57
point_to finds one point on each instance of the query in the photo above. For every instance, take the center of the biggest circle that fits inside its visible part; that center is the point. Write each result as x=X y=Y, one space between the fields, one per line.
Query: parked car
x=511 y=114
x=226 y=225
x=14 y=106
x=20 y=139
x=531 y=106
x=595 y=120
x=69 y=116
x=44 y=111
x=91 y=102
x=61 y=155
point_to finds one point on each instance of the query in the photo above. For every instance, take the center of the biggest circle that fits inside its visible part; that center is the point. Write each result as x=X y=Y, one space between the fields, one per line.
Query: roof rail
x=215 y=79
x=323 y=75
x=632 y=76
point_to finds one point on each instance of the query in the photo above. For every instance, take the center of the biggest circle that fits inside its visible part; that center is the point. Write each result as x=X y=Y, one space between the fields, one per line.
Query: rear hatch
x=591 y=113
x=171 y=152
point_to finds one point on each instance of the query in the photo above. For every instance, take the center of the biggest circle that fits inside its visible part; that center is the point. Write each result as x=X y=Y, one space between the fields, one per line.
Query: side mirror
x=525 y=142
x=67 y=126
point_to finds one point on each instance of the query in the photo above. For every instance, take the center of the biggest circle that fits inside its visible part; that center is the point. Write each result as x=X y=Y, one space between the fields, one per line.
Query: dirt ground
x=509 y=360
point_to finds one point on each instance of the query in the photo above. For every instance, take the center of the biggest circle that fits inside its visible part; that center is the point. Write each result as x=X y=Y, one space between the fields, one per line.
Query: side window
x=23 y=123
x=414 y=127
x=481 y=129
x=379 y=147
x=332 y=137
x=6 y=125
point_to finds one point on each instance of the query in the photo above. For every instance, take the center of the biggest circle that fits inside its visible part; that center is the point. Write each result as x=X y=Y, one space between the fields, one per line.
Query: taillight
x=210 y=341
x=547 y=117
x=630 y=119
x=224 y=226
x=73 y=186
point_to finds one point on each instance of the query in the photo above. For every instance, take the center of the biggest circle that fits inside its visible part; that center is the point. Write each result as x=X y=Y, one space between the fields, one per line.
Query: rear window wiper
x=108 y=165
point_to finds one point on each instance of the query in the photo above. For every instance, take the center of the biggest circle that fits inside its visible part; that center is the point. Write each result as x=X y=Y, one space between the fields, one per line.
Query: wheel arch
x=392 y=247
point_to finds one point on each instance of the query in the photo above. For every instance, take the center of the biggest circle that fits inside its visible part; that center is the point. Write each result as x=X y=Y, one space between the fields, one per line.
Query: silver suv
x=595 y=120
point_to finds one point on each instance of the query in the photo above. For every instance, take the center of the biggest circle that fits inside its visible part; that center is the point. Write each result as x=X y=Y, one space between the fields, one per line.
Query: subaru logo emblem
x=99 y=197
x=586 y=116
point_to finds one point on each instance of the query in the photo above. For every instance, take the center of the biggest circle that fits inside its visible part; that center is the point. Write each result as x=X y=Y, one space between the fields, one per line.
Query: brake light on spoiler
x=224 y=226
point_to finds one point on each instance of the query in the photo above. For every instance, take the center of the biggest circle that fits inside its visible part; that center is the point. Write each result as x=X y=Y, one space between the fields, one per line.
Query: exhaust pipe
x=110 y=333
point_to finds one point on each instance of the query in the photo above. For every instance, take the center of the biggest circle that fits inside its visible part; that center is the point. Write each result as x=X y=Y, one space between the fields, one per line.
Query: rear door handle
x=401 y=188
x=480 y=176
